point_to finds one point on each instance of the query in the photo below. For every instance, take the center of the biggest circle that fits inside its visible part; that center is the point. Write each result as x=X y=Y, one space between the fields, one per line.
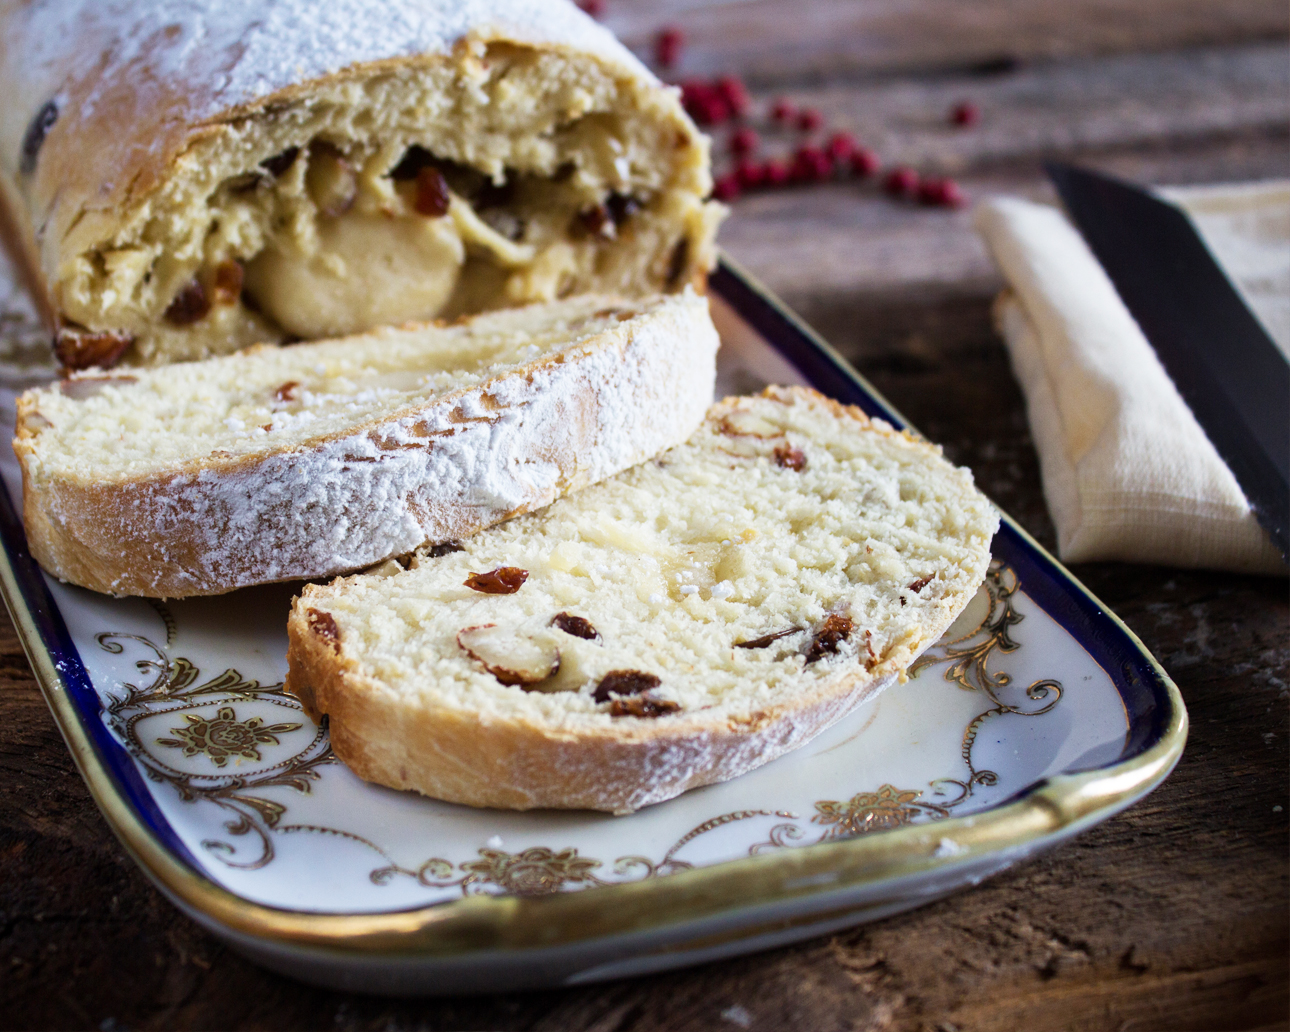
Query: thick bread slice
x=182 y=178
x=308 y=461
x=677 y=625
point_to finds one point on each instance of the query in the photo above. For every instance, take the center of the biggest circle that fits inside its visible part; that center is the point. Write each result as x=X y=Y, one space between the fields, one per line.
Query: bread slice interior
x=676 y=625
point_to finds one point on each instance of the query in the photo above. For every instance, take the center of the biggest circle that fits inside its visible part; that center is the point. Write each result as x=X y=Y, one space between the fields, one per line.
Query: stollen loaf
x=184 y=178
x=676 y=625
x=283 y=463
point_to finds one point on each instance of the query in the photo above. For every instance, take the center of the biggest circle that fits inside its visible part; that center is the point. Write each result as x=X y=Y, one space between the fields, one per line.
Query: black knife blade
x=1227 y=369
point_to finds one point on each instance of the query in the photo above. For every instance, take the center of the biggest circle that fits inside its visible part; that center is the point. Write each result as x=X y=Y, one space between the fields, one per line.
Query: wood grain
x=1173 y=915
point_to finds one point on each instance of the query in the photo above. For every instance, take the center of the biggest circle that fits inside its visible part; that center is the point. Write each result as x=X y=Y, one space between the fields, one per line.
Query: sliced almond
x=330 y=180
x=511 y=658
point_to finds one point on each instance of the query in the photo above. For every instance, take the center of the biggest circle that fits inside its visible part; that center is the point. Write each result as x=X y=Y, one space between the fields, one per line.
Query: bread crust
x=387 y=486
x=512 y=761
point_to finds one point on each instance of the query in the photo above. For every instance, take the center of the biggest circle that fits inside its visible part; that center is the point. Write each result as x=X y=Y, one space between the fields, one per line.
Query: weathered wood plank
x=782 y=42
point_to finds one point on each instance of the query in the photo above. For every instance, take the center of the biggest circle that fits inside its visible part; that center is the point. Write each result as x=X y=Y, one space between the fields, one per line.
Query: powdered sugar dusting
x=235 y=52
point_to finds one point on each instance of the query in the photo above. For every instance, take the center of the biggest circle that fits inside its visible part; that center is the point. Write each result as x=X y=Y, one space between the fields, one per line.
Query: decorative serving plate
x=1036 y=716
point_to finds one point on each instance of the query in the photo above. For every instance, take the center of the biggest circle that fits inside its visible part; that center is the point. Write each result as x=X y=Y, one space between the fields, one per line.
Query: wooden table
x=1174 y=915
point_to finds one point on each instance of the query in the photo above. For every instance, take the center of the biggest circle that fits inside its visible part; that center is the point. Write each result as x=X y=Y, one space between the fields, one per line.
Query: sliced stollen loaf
x=182 y=178
x=674 y=626
x=312 y=460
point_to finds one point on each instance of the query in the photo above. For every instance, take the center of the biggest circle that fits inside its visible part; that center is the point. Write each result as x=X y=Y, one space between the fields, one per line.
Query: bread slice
x=308 y=461
x=183 y=179
x=677 y=625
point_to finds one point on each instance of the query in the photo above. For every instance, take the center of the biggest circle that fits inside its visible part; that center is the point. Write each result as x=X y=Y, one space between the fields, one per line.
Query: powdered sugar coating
x=237 y=52
x=438 y=471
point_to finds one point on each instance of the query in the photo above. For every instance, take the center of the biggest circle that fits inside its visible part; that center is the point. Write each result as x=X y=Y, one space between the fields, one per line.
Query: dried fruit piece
x=597 y=221
x=830 y=635
x=286 y=392
x=505 y=580
x=432 y=197
x=511 y=658
x=646 y=705
x=678 y=262
x=77 y=348
x=920 y=584
x=788 y=457
x=324 y=625
x=444 y=548
x=624 y=682
x=766 y=639
x=189 y=305
x=226 y=283
x=578 y=626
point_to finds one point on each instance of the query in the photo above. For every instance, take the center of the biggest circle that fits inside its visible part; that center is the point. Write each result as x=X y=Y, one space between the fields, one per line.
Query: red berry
x=841 y=146
x=712 y=109
x=750 y=174
x=595 y=8
x=783 y=110
x=901 y=182
x=864 y=162
x=809 y=119
x=776 y=173
x=668 y=45
x=944 y=193
x=965 y=113
x=744 y=141
x=726 y=188
x=734 y=93
x=811 y=165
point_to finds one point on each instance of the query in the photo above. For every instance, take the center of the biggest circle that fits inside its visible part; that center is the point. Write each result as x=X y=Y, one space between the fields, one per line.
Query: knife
x=1227 y=369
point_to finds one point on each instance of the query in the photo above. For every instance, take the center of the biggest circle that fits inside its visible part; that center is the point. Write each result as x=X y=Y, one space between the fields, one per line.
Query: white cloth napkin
x=1128 y=473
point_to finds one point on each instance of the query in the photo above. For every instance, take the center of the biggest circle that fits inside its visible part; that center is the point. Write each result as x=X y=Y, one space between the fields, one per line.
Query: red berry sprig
x=668 y=45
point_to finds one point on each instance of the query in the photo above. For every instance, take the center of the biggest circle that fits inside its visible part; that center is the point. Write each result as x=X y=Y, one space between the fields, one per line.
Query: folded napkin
x=1128 y=473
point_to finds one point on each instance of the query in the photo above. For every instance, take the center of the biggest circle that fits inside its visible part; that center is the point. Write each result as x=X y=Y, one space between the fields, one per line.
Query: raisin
x=788 y=457
x=624 y=682
x=279 y=163
x=920 y=584
x=444 y=548
x=432 y=193
x=324 y=625
x=189 y=305
x=578 y=626
x=766 y=639
x=76 y=348
x=287 y=392
x=227 y=283
x=646 y=705
x=597 y=221
x=37 y=129
x=832 y=633
x=505 y=580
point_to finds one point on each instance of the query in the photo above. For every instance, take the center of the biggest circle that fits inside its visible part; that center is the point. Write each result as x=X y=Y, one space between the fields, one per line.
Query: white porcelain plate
x=1038 y=714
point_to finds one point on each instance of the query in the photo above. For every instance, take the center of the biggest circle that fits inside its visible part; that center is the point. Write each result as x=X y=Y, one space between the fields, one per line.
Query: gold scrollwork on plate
x=536 y=870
